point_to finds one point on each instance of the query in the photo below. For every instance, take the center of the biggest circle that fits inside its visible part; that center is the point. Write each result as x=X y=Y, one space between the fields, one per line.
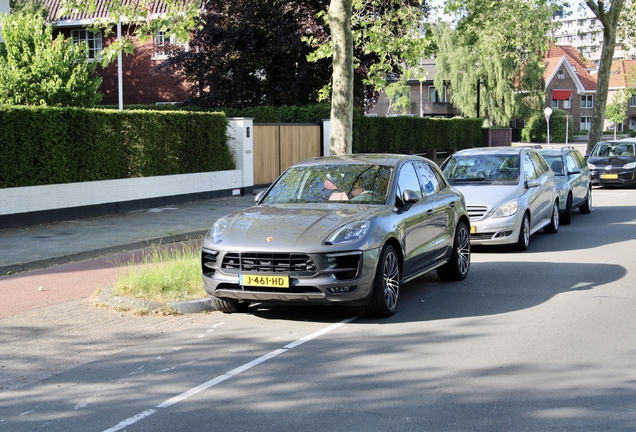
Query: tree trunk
x=342 y=81
x=609 y=22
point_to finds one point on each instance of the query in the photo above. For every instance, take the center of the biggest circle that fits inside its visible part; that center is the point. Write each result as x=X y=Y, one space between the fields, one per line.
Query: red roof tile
x=623 y=74
x=580 y=64
x=101 y=11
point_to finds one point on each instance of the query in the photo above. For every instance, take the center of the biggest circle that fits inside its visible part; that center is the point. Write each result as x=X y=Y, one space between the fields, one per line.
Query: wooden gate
x=277 y=146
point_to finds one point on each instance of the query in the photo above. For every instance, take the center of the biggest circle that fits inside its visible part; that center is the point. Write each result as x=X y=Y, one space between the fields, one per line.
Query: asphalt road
x=532 y=341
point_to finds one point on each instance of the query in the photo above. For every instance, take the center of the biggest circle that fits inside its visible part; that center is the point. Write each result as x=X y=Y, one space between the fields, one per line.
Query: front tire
x=524 y=234
x=386 y=285
x=457 y=268
x=553 y=226
x=586 y=208
x=228 y=306
x=566 y=218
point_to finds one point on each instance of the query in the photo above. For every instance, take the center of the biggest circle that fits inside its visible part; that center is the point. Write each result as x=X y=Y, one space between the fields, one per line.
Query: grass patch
x=164 y=273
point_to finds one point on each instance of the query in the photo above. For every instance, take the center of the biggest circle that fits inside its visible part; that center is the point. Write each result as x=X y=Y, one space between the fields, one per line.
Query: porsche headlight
x=351 y=232
x=630 y=165
x=505 y=210
x=215 y=235
x=591 y=165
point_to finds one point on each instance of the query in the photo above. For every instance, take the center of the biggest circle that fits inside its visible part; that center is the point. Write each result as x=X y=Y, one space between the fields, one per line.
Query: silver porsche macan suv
x=345 y=229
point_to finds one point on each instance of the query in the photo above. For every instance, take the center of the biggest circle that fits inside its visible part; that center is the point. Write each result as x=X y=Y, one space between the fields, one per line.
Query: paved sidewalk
x=50 y=244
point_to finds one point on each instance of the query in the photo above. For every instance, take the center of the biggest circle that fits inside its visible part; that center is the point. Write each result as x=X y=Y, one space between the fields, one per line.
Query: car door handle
x=429 y=212
x=452 y=204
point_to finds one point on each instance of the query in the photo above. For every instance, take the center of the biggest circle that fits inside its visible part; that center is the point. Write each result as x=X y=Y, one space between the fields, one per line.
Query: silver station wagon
x=345 y=229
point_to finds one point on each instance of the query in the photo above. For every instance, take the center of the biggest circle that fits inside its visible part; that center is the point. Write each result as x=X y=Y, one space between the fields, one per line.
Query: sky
x=439 y=4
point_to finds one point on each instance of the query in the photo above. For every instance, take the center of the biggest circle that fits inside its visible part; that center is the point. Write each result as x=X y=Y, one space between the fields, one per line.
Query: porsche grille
x=296 y=264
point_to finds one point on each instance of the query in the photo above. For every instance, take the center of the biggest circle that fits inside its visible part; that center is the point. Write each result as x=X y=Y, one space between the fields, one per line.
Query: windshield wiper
x=470 y=180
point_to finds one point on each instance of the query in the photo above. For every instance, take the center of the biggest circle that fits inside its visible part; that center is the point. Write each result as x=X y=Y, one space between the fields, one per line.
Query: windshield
x=607 y=149
x=503 y=169
x=353 y=183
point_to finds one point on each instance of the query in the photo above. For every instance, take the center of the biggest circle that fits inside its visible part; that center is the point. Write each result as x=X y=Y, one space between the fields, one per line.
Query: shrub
x=536 y=129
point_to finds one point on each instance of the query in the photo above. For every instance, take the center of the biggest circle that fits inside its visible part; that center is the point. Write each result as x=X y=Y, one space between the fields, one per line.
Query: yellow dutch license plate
x=264 y=281
x=473 y=229
x=609 y=176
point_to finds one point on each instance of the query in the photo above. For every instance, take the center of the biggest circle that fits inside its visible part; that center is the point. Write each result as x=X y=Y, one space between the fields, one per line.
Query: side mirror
x=258 y=197
x=410 y=196
x=532 y=183
x=574 y=171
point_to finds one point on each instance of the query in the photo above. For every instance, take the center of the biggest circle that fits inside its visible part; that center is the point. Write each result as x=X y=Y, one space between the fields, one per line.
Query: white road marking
x=206 y=385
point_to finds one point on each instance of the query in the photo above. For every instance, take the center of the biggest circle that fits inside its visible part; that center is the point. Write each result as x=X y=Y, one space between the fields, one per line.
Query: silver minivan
x=510 y=193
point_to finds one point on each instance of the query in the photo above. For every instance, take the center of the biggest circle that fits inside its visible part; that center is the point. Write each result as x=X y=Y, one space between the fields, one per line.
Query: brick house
x=141 y=84
x=426 y=100
x=623 y=75
x=570 y=84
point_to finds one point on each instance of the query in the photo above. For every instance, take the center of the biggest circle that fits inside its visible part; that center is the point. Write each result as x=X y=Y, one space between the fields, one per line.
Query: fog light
x=502 y=234
x=337 y=290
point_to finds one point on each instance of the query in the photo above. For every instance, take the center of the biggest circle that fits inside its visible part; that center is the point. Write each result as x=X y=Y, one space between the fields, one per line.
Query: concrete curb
x=96 y=253
x=182 y=307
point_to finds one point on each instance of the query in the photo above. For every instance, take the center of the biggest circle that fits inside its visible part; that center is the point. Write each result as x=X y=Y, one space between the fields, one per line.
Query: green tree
x=617 y=110
x=29 y=7
x=251 y=53
x=383 y=29
x=500 y=45
x=341 y=135
x=35 y=69
x=610 y=15
x=398 y=92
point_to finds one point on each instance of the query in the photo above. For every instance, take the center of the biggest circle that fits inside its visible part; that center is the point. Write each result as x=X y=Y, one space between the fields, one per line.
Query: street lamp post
x=548 y=113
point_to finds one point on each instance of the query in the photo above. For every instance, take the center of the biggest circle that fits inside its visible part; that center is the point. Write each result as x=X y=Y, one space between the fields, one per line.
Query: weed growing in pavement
x=163 y=274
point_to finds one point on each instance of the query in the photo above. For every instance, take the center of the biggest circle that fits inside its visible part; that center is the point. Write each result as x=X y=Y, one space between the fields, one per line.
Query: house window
x=632 y=101
x=435 y=96
x=587 y=101
x=166 y=43
x=567 y=104
x=93 y=41
x=555 y=103
x=586 y=123
x=561 y=74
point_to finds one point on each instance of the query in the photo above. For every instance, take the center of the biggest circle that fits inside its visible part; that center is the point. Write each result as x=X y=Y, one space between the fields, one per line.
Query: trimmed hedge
x=44 y=145
x=409 y=135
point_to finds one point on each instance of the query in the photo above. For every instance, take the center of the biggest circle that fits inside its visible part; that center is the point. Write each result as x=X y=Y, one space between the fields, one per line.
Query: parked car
x=344 y=229
x=613 y=163
x=510 y=193
x=573 y=182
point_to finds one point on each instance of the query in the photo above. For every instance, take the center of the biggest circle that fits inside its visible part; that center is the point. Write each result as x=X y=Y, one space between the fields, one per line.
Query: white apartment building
x=585 y=34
